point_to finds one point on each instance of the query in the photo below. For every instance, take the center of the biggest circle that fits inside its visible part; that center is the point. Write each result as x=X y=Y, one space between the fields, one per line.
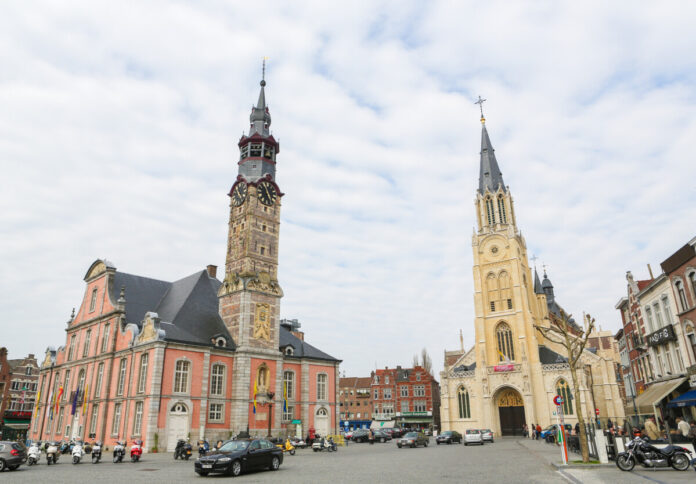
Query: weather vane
x=263 y=69
x=480 y=103
x=534 y=259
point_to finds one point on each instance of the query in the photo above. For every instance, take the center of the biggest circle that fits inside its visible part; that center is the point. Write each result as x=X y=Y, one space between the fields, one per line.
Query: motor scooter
x=183 y=450
x=287 y=447
x=52 y=453
x=136 y=450
x=96 y=452
x=34 y=454
x=324 y=444
x=119 y=451
x=77 y=452
x=65 y=447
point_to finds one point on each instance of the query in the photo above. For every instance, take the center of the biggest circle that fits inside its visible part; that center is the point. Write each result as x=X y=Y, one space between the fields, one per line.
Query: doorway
x=511 y=412
x=178 y=425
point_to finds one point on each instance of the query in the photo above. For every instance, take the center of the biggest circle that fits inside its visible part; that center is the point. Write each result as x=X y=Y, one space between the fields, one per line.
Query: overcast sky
x=119 y=123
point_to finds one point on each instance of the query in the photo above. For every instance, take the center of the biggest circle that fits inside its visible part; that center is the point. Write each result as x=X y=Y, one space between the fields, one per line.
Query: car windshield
x=234 y=445
x=446 y=433
x=411 y=435
x=472 y=432
x=486 y=431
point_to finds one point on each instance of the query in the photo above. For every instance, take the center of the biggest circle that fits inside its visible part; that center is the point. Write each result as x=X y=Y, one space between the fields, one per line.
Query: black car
x=237 y=456
x=448 y=437
x=12 y=455
x=360 y=435
x=382 y=436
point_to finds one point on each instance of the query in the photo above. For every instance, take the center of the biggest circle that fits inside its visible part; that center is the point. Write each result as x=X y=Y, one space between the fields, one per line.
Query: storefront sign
x=16 y=414
x=499 y=368
x=416 y=414
x=661 y=336
x=296 y=422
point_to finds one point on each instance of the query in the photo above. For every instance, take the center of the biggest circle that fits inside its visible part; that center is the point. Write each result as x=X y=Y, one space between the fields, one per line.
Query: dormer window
x=255 y=149
x=220 y=342
x=244 y=152
x=93 y=301
x=289 y=351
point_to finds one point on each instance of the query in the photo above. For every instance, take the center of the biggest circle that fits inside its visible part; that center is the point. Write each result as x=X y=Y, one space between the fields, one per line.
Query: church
x=512 y=373
x=196 y=357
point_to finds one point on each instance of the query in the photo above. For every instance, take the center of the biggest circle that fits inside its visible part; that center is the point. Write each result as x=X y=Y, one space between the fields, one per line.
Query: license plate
x=207 y=466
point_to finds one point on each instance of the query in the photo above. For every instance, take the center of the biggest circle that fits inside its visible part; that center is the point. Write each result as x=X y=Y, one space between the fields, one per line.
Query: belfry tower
x=250 y=293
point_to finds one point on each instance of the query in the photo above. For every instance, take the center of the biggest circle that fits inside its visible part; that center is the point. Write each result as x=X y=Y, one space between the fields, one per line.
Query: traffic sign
x=596 y=411
x=558 y=400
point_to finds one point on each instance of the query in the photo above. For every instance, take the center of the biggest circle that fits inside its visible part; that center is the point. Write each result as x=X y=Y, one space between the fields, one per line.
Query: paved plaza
x=507 y=461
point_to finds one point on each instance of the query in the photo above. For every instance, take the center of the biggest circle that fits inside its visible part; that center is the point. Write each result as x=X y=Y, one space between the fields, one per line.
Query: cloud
x=119 y=126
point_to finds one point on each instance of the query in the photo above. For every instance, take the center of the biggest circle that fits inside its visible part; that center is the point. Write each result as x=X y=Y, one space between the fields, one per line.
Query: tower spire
x=260 y=118
x=490 y=176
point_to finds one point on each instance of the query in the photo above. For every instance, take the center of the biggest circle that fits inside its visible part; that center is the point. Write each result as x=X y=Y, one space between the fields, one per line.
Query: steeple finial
x=260 y=118
x=480 y=103
x=263 y=72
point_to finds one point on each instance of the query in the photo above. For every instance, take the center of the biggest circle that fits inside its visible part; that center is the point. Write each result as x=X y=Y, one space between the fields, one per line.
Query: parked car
x=551 y=432
x=237 y=456
x=413 y=439
x=448 y=437
x=397 y=432
x=382 y=436
x=347 y=435
x=361 y=435
x=487 y=435
x=473 y=436
x=12 y=455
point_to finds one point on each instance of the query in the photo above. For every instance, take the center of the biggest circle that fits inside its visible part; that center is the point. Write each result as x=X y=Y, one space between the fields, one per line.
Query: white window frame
x=289 y=383
x=182 y=375
x=93 y=421
x=419 y=391
x=71 y=348
x=105 y=338
x=403 y=391
x=116 y=421
x=93 y=300
x=387 y=393
x=322 y=386
x=219 y=409
x=217 y=381
x=142 y=374
x=138 y=418
x=87 y=343
x=121 y=385
x=100 y=378
x=289 y=414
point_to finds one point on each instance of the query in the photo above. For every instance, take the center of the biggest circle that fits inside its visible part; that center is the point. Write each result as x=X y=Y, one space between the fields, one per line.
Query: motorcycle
x=34 y=454
x=66 y=447
x=641 y=452
x=287 y=447
x=182 y=450
x=119 y=451
x=203 y=447
x=299 y=444
x=324 y=444
x=52 y=453
x=96 y=452
x=136 y=450
x=87 y=448
x=77 y=452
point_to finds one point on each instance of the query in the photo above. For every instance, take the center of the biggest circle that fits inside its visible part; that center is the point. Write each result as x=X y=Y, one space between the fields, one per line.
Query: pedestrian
x=371 y=437
x=683 y=427
x=651 y=429
x=577 y=428
x=538 y=429
x=524 y=430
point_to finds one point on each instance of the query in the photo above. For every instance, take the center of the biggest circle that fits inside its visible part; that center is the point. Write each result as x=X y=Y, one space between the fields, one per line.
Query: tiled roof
x=300 y=348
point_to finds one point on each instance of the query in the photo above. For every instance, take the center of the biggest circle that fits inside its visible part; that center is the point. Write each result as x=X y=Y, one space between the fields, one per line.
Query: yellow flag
x=255 y=392
x=84 y=399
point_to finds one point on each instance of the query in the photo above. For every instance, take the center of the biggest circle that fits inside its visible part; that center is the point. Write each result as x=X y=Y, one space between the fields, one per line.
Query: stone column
x=240 y=379
x=304 y=396
x=153 y=405
x=203 y=411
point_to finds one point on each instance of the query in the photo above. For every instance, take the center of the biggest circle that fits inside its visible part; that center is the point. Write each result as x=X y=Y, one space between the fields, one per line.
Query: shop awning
x=382 y=424
x=16 y=426
x=654 y=394
x=686 y=400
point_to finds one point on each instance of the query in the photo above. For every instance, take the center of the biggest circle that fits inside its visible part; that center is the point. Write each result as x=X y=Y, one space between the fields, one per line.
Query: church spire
x=490 y=177
x=260 y=118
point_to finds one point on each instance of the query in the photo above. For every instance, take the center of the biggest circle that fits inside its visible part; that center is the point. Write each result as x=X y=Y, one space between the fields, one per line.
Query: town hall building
x=197 y=357
x=511 y=374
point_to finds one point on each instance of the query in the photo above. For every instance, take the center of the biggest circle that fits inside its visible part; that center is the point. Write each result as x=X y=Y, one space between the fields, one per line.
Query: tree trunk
x=581 y=420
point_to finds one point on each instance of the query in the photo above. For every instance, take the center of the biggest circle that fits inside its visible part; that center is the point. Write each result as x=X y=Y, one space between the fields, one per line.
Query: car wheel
x=2 y=465
x=236 y=468
x=382 y=440
x=275 y=463
x=466 y=444
x=449 y=442
x=437 y=442
x=398 y=445
x=202 y=473
x=413 y=446
x=425 y=444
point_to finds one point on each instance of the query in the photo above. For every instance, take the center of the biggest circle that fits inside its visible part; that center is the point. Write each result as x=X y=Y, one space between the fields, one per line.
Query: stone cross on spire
x=480 y=103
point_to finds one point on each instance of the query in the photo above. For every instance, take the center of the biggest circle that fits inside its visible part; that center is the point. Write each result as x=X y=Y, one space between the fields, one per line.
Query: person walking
x=538 y=431
x=525 y=431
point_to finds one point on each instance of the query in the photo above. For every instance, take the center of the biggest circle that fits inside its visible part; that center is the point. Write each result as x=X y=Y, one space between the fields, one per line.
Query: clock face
x=266 y=193
x=239 y=193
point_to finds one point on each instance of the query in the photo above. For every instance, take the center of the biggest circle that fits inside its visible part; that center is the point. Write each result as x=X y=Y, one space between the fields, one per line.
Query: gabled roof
x=187 y=308
x=300 y=348
x=461 y=368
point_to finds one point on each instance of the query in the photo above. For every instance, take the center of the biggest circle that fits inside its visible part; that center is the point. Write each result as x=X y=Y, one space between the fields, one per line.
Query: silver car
x=487 y=435
x=473 y=436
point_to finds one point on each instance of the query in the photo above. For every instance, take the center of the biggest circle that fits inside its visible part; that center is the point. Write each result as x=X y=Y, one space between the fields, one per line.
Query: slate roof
x=300 y=348
x=537 y=283
x=470 y=367
x=490 y=176
x=188 y=308
x=548 y=357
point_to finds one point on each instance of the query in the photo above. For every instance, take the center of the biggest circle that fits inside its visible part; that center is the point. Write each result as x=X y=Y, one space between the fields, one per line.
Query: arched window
x=505 y=291
x=493 y=293
x=463 y=403
x=506 y=349
x=691 y=338
x=181 y=376
x=322 y=412
x=489 y=211
x=682 y=295
x=289 y=384
x=217 y=379
x=563 y=390
x=501 y=209
x=692 y=279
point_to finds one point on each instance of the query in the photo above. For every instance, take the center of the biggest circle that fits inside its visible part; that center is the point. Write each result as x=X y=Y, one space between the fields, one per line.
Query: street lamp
x=270 y=396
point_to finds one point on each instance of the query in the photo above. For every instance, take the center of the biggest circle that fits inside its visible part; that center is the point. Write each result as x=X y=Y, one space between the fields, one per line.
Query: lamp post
x=270 y=396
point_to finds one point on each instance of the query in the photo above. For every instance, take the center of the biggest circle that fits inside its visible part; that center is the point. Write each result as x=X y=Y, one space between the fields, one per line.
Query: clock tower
x=250 y=293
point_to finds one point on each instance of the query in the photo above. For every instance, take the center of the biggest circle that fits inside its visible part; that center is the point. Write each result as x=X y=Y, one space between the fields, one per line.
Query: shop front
x=354 y=424
x=415 y=420
x=14 y=425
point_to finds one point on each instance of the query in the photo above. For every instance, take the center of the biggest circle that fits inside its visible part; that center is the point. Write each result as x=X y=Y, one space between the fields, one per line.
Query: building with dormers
x=511 y=374
x=196 y=357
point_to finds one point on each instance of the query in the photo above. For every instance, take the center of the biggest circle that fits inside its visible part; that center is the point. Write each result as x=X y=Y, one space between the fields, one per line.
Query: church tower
x=250 y=293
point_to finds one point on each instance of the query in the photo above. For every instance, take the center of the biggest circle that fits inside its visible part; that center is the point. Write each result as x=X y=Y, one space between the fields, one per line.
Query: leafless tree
x=425 y=361
x=574 y=340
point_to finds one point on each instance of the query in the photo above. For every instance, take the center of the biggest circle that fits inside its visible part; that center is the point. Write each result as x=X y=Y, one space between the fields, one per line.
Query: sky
x=119 y=124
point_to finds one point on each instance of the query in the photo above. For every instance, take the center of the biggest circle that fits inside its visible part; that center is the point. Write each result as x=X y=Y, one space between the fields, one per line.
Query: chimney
x=298 y=334
x=650 y=272
x=212 y=270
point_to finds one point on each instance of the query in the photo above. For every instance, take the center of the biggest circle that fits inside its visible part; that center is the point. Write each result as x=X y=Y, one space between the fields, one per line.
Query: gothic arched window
x=489 y=211
x=492 y=288
x=463 y=403
x=505 y=291
x=506 y=349
x=501 y=209
x=682 y=295
x=563 y=390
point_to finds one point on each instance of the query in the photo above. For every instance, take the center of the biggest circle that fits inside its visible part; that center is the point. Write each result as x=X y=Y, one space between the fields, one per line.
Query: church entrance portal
x=511 y=411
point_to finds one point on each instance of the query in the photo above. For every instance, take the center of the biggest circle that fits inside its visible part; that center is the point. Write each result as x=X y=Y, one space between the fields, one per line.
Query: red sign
x=17 y=414
x=596 y=411
x=499 y=368
x=558 y=400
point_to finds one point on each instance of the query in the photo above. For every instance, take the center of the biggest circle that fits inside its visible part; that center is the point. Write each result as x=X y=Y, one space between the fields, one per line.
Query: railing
x=555 y=367
x=462 y=374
